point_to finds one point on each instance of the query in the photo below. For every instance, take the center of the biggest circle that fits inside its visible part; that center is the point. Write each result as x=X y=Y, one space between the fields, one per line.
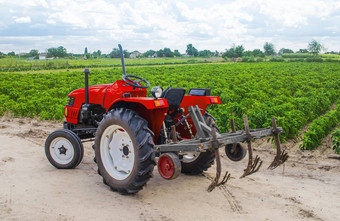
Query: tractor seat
x=174 y=96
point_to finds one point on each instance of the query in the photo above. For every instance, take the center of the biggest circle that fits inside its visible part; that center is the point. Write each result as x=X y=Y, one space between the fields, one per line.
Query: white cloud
x=26 y=19
x=151 y=24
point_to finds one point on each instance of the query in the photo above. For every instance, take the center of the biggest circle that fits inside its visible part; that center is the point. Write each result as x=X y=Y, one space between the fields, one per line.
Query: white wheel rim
x=190 y=157
x=62 y=151
x=117 y=152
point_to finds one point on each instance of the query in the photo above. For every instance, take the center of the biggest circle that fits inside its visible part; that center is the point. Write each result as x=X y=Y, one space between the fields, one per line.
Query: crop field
x=295 y=93
x=11 y=64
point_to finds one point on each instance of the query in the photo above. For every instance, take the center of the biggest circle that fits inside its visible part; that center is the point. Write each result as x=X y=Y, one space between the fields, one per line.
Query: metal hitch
x=208 y=139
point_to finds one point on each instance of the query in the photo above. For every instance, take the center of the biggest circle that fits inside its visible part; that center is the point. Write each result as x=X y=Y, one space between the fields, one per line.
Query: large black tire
x=124 y=168
x=64 y=149
x=196 y=164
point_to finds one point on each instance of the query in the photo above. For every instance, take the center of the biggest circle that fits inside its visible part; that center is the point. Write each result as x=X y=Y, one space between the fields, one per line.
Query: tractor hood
x=96 y=94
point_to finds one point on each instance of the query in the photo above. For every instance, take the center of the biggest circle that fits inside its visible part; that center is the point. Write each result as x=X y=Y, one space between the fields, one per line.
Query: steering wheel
x=135 y=81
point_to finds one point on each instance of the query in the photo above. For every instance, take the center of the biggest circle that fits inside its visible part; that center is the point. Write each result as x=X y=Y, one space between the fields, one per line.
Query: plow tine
x=281 y=155
x=215 y=182
x=253 y=166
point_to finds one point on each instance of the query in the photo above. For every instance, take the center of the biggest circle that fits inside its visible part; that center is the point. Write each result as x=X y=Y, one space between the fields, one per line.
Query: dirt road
x=307 y=188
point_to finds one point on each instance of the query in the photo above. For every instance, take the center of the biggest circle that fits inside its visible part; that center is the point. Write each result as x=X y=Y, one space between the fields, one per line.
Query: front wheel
x=64 y=149
x=124 y=151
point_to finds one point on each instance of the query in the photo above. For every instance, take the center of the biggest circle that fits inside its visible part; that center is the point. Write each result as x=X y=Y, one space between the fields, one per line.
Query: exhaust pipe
x=86 y=72
x=85 y=112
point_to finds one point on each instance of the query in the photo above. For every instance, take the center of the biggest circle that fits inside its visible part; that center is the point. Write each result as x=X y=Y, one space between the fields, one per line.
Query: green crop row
x=336 y=141
x=319 y=129
x=294 y=93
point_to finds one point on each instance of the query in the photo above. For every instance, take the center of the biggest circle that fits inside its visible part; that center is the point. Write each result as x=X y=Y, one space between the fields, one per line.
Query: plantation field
x=294 y=93
x=12 y=64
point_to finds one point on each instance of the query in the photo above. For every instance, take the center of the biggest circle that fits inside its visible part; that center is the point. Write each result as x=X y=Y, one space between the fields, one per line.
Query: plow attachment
x=208 y=139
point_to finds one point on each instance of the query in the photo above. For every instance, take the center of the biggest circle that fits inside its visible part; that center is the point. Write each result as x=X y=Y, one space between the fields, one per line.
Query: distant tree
x=229 y=53
x=239 y=50
x=176 y=53
x=34 y=53
x=285 y=51
x=167 y=52
x=269 y=49
x=216 y=53
x=315 y=47
x=115 y=53
x=149 y=53
x=332 y=52
x=61 y=52
x=160 y=53
x=2 y=55
x=191 y=50
x=12 y=53
x=85 y=52
x=126 y=53
x=97 y=54
x=234 y=52
x=302 y=51
x=248 y=53
x=52 y=52
x=204 y=53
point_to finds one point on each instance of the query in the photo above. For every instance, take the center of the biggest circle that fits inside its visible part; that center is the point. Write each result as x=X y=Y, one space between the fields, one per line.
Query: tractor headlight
x=156 y=92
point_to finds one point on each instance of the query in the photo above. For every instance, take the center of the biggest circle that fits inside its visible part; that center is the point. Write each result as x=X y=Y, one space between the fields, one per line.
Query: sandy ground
x=306 y=188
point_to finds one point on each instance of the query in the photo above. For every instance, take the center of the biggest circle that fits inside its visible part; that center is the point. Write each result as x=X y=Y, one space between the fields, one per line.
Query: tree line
x=314 y=47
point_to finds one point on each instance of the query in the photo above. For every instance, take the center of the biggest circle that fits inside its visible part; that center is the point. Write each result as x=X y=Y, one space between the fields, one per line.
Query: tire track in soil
x=146 y=215
x=233 y=202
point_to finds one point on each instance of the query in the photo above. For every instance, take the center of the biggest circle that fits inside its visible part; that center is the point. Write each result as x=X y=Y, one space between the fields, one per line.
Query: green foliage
x=269 y=49
x=59 y=52
x=276 y=59
x=234 y=52
x=296 y=55
x=248 y=59
x=285 y=51
x=314 y=59
x=315 y=47
x=336 y=141
x=258 y=53
x=294 y=93
x=319 y=129
x=191 y=50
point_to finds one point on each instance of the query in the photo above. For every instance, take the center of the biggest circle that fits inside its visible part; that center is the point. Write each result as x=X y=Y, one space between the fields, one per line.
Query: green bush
x=248 y=59
x=276 y=59
x=314 y=59
x=296 y=55
x=296 y=60
x=336 y=141
x=331 y=60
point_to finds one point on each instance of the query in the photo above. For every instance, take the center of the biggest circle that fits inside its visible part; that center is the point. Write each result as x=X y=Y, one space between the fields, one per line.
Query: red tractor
x=130 y=130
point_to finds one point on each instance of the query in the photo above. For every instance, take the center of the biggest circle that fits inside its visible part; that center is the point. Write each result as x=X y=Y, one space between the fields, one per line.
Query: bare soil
x=307 y=187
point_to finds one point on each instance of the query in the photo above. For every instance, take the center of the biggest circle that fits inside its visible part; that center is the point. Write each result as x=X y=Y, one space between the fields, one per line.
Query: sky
x=149 y=24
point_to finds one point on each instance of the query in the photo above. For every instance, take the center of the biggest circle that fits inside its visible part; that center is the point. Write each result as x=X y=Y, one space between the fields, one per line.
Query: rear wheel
x=124 y=151
x=64 y=149
x=194 y=163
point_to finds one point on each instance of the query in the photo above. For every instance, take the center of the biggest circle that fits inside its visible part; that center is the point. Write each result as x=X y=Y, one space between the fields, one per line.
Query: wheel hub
x=117 y=152
x=62 y=150
x=126 y=150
